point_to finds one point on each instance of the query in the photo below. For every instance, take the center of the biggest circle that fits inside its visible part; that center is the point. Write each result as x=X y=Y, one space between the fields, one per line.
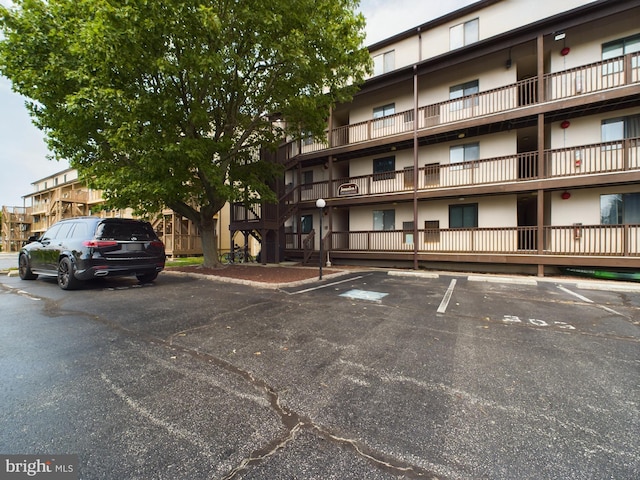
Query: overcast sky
x=24 y=154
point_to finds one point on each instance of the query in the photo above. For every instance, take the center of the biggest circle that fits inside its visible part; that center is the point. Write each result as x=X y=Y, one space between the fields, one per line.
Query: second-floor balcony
x=588 y=79
x=583 y=160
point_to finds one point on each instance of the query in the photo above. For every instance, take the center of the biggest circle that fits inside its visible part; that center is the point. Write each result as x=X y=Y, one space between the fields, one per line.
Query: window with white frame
x=618 y=48
x=464 y=91
x=464 y=34
x=615 y=129
x=461 y=154
x=385 y=62
x=384 y=220
x=620 y=208
x=381 y=113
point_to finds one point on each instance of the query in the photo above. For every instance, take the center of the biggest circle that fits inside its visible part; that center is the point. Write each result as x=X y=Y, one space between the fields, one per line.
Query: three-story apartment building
x=505 y=133
x=64 y=195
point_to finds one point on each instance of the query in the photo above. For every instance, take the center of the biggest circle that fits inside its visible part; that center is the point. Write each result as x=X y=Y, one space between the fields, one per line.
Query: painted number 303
x=537 y=322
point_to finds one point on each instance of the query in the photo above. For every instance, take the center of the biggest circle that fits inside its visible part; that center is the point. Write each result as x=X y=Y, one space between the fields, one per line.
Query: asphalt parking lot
x=370 y=374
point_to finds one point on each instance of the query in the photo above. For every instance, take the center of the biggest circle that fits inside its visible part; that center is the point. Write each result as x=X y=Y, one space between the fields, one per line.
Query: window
x=464 y=34
x=384 y=168
x=384 y=111
x=306 y=223
x=463 y=216
x=431 y=231
x=464 y=90
x=616 y=129
x=64 y=230
x=52 y=232
x=407 y=232
x=384 y=62
x=80 y=230
x=384 y=219
x=464 y=153
x=620 y=208
x=307 y=180
x=617 y=48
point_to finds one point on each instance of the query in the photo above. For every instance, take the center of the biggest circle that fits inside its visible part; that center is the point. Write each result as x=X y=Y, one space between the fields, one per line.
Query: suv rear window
x=125 y=231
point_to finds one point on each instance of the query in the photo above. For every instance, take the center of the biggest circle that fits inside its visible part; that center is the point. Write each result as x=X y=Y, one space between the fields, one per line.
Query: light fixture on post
x=320 y=203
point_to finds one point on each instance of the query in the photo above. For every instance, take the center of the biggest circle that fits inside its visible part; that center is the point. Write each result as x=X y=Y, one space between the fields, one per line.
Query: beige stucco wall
x=584 y=130
x=493 y=20
x=492 y=212
x=583 y=206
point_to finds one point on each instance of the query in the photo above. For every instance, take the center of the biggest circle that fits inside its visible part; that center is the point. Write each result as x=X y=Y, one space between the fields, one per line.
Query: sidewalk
x=8 y=260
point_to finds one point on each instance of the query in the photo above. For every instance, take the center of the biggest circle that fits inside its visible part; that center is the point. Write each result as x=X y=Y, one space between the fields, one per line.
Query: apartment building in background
x=502 y=136
x=65 y=195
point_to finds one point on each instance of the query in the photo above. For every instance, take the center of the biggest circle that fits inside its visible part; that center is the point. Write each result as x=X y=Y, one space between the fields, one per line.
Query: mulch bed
x=258 y=273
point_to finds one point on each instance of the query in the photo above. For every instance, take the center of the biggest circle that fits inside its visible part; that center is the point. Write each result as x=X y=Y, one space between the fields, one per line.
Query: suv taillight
x=99 y=243
x=157 y=244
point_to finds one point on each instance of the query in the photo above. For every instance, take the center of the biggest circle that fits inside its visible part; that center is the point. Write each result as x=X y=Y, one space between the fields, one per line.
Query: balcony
x=587 y=244
x=583 y=160
x=588 y=79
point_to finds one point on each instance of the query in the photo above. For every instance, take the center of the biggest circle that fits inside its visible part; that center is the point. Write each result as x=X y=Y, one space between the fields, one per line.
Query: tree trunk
x=205 y=221
x=209 y=243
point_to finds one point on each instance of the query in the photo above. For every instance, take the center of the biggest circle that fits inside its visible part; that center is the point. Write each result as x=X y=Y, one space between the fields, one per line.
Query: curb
x=580 y=283
x=253 y=283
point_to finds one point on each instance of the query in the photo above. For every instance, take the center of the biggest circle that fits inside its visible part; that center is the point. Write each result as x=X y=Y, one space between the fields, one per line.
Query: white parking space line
x=447 y=297
x=325 y=286
x=588 y=300
x=577 y=295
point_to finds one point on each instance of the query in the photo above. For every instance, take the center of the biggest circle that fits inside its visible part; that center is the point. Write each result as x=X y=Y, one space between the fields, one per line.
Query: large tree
x=168 y=102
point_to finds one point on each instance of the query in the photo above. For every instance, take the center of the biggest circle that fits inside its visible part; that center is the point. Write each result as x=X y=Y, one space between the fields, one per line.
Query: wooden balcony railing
x=592 y=159
x=181 y=244
x=573 y=240
x=591 y=78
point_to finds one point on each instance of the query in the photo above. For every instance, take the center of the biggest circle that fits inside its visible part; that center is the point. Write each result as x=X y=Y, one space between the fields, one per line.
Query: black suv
x=83 y=248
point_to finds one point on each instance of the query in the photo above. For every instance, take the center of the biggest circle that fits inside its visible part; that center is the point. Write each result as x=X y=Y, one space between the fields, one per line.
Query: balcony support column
x=540 y=197
x=331 y=190
x=540 y=229
x=540 y=55
x=415 y=166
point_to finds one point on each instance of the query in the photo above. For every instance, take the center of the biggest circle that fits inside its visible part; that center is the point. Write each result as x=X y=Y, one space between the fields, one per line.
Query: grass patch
x=184 y=261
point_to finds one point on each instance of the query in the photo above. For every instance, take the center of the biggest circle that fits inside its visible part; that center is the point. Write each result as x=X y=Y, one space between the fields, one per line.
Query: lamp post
x=320 y=203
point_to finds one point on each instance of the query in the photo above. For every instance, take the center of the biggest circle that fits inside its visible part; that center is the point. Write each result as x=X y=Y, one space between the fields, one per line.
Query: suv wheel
x=24 y=270
x=66 y=278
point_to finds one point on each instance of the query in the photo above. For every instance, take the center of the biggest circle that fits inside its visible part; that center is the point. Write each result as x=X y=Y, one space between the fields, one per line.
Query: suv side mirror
x=32 y=238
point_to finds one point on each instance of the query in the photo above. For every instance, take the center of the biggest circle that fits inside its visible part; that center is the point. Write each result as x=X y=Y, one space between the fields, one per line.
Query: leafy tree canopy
x=166 y=103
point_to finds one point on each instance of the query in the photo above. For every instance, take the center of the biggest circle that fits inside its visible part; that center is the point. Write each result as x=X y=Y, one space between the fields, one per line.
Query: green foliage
x=167 y=102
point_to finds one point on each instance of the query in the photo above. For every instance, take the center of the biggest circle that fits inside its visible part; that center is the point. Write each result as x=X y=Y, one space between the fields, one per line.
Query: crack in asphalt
x=293 y=422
